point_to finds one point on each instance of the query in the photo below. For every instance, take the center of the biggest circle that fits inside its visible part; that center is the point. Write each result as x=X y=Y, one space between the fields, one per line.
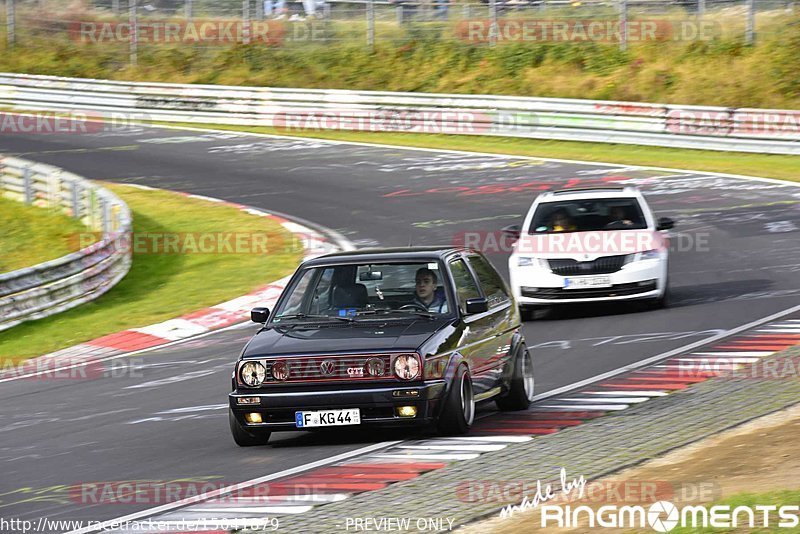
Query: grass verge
x=766 y=165
x=30 y=235
x=162 y=286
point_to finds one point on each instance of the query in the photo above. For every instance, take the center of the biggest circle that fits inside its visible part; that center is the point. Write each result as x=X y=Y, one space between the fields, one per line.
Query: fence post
x=398 y=11
x=11 y=27
x=115 y=7
x=750 y=24
x=245 y=21
x=134 y=39
x=27 y=185
x=623 y=24
x=188 y=10
x=701 y=7
x=370 y=23
x=76 y=199
x=259 y=10
x=493 y=28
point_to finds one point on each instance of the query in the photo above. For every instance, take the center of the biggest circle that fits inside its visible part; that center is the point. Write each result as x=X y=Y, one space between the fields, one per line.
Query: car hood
x=376 y=336
x=588 y=246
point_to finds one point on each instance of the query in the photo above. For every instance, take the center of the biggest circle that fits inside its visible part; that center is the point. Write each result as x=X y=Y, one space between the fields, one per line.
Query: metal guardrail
x=58 y=285
x=298 y=110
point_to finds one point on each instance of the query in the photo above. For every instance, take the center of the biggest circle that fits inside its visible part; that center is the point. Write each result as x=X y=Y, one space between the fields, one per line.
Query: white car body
x=543 y=274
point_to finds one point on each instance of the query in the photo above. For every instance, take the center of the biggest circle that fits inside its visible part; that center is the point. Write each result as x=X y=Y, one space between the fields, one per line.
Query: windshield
x=388 y=290
x=588 y=215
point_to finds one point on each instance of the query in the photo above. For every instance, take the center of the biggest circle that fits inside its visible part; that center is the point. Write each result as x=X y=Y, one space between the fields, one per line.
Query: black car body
x=348 y=343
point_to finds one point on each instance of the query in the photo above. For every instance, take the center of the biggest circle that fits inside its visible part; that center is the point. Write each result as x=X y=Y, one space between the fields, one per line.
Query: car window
x=588 y=215
x=465 y=284
x=492 y=284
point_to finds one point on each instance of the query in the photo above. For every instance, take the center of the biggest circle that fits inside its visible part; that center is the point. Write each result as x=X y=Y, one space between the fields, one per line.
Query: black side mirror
x=513 y=231
x=665 y=223
x=259 y=315
x=477 y=305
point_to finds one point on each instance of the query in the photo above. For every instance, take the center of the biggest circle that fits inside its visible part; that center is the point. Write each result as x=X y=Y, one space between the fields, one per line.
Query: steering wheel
x=413 y=306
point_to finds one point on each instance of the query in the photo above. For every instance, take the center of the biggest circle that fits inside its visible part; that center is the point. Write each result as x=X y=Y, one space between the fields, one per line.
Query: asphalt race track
x=734 y=260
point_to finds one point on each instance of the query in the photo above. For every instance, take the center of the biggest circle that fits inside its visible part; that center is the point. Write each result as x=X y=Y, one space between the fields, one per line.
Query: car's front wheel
x=246 y=438
x=520 y=394
x=459 y=406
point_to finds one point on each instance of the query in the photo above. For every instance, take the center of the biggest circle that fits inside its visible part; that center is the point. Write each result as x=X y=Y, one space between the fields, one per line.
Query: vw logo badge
x=327 y=367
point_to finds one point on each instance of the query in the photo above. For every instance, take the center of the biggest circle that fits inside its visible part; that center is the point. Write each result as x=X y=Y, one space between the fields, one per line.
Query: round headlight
x=375 y=367
x=406 y=366
x=253 y=373
x=280 y=370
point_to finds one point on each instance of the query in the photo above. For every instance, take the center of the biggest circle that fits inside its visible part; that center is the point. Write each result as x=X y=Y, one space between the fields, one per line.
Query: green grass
x=163 y=286
x=776 y=498
x=769 y=166
x=31 y=235
x=428 y=57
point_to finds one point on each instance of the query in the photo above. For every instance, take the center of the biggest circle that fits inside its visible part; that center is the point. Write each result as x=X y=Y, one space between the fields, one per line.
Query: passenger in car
x=561 y=221
x=426 y=294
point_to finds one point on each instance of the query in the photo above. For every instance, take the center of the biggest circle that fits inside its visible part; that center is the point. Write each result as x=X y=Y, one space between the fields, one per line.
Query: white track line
x=668 y=354
x=229 y=489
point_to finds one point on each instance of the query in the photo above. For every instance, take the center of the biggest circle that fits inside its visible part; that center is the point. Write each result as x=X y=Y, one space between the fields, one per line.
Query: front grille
x=619 y=290
x=329 y=368
x=603 y=265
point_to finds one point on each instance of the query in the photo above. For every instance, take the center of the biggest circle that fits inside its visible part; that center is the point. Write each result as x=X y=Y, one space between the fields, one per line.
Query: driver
x=426 y=294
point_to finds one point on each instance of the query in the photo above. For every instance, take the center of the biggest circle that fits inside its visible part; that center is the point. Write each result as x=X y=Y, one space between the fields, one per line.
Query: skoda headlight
x=528 y=261
x=406 y=366
x=253 y=373
x=653 y=254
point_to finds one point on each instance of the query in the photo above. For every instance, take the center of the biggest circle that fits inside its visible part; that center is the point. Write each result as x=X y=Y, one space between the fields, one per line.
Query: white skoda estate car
x=588 y=245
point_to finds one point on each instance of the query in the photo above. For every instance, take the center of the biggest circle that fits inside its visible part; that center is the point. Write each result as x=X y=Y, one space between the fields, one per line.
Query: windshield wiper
x=388 y=311
x=315 y=316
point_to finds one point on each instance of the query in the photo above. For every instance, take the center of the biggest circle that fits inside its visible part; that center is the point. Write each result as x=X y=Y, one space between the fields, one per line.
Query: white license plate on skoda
x=328 y=418
x=584 y=282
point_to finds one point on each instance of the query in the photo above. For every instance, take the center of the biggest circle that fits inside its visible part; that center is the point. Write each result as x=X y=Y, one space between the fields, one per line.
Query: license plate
x=587 y=281
x=328 y=418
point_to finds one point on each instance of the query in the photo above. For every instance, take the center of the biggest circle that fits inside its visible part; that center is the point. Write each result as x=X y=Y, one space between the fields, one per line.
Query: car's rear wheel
x=520 y=394
x=458 y=411
x=246 y=438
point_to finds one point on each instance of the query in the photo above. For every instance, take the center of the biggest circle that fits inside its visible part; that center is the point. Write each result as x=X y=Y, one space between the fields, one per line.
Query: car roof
x=589 y=193
x=376 y=255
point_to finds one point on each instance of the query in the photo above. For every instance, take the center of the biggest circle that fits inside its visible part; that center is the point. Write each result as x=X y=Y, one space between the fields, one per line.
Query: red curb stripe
x=127 y=340
x=753 y=347
x=644 y=387
x=359 y=476
x=333 y=487
x=397 y=467
x=545 y=415
x=523 y=431
x=538 y=424
x=671 y=377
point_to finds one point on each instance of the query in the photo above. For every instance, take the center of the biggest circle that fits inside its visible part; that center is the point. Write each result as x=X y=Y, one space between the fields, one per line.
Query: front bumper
x=639 y=280
x=377 y=404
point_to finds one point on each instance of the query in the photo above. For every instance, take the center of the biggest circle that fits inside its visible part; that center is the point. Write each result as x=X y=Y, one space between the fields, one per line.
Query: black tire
x=458 y=411
x=662 y=301
x=246 y=438
x=520 y=395
x=527 y=313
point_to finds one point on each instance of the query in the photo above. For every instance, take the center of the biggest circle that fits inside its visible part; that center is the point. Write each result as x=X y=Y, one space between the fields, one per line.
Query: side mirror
x=513 y=231
x=259 y=315
x=665 y=223
x=477 y=305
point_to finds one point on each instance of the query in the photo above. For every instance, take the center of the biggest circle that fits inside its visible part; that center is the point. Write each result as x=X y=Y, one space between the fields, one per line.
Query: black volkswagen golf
x=413 y=336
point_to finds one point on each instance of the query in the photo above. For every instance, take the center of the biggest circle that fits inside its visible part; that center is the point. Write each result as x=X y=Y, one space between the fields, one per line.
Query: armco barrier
x=710 y=128
x=57 y=285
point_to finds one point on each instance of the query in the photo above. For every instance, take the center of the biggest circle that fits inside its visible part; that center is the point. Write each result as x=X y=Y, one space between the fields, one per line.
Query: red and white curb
x=192 y=324
x=303 y=492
